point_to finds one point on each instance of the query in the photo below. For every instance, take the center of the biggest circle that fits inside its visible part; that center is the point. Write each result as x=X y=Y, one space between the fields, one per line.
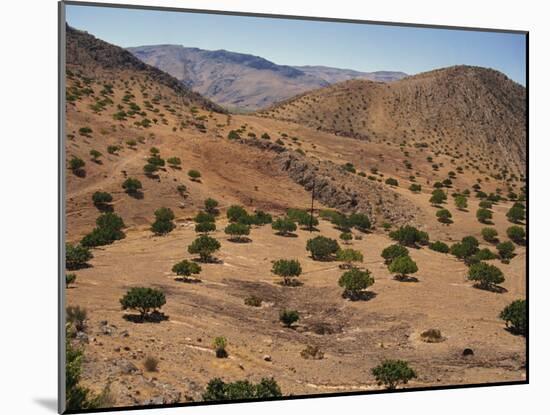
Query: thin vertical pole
x=311 y=214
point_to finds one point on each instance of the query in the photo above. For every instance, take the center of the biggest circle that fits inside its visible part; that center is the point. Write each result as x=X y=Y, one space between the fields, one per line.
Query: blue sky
x=364 y=47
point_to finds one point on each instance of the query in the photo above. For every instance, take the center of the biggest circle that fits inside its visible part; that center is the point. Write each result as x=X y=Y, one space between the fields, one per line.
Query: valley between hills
x=396 y=153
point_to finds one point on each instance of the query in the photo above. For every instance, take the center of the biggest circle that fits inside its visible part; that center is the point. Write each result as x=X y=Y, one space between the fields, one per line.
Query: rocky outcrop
x=339 y=189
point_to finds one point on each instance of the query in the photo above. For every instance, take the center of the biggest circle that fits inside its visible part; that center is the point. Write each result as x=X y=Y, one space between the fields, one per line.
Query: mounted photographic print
x=259 y=207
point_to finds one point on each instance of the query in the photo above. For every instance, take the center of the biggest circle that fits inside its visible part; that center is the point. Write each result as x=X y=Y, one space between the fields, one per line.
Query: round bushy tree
x=484 y=215
x=283 y=226
x=76 y=163
x=506 y=250
x=235 y=213
x=132 y=186
x=461 y=202
x=288 y=269
x=485 y=204
x=393 y=251
x=393 y=372
x=237 y=231
x=489 y=234
x=194 y=175
x=346 y=237
x=205 y=227
x=403 y=266
x=174 y=162
x=289 y=317
x=466 y=248
x=95 y=155
x=69 y=279
x=444 y=216
x=202 y=217
x=163 y=223
x=186 y=268
x=143 y=299
x=360 y=221
x=516 y=234
x=392 y=182
x=410 y=236
x=211 y=206
x=438 y=197
x=205 y=246
x=322 y=248
x=515 y=316
x=516 y=214
x=354 y=282
x=439 y=246
x=348 y=256
x=101 y=199
x=487 y=276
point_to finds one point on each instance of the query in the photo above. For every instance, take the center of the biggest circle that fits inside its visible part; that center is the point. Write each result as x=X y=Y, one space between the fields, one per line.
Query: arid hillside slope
x=124 y=117
x=474 y=114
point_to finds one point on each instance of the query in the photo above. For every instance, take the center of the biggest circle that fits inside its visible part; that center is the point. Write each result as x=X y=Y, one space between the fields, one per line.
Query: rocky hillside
x=243 y=81
x=95 y=56
x=469 y=113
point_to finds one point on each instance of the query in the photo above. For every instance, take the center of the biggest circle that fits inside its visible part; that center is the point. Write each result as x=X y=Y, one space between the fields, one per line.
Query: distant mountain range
x=243 y=81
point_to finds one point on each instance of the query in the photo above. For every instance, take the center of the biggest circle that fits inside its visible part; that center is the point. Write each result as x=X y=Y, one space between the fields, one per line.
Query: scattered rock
x=267 y=358
x=82 y=337
x=126 y=367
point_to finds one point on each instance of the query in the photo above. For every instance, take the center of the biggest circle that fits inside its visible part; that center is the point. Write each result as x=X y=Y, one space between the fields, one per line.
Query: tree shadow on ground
x=80 y=173
x=405 y=278
x=188 y=280
x=361 y=296
x=492 y=288
x=211 y=260
x=240 y=240
x=286 y=235
x=136 y=195
x=154 y=317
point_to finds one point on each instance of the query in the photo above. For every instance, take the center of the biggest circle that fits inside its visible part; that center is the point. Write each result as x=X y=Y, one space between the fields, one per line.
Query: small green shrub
x=288 y=317
x=515 y=316
x=393 y=372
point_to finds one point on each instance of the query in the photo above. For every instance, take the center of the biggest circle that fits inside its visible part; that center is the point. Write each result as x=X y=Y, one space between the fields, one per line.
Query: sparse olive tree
x=237 y=232
x=205 y=246
x=322 y=248
x=354 y=282
x=487 y=276
x=143 y=299
x=132 y=186
x=403 y=266
x=185 y=269
x=489 y=234
x=288 y=317
x=76 y=256
x=393 y=372
x=516 y=234
x=484 y=215
x=288 y=269
x=163 y=223
x=393 y=251
x=515 y=316
x=348 y=257
x=461 y=202
x=283 y=226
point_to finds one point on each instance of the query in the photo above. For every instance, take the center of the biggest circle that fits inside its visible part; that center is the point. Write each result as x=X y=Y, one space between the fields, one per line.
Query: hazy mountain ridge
x=450 y=107
x=242 y=80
